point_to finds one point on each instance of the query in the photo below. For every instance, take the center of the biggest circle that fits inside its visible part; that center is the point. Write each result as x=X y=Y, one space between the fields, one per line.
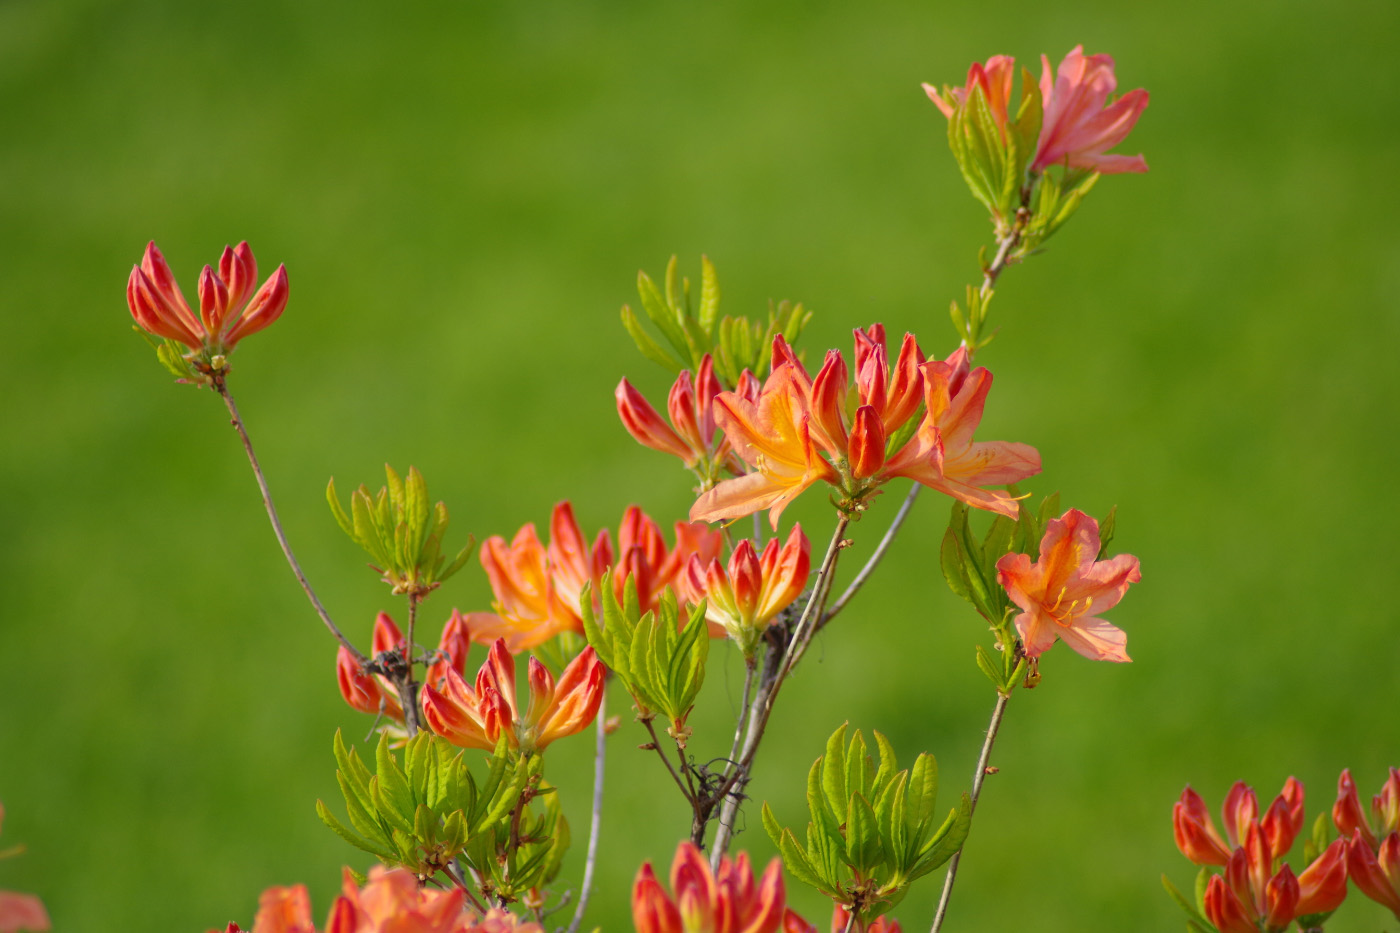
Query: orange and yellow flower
x=1062 y=593
x=800 y=431
x=1373 y=851
x=229 y=309
x=538 y=589
x=391 y=900
x=705 y=902
x=477 y=717
x=747 y=593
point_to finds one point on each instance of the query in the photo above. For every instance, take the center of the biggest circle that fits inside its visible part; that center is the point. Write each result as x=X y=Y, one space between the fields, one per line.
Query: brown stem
x=222 y=389
x=456 y=876
x=405 y=682
x=655 y=745
x=599 y=751
x=977 y=778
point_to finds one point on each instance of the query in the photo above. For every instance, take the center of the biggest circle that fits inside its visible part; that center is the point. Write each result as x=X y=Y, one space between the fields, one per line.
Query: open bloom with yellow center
x=744 y=596
x=1373 y=852
x=229 y=309
x=691 y=432
x=703 y=902
x=800 y=431
x=1062 y=594
x=391 y=901
x=476 y=717
x=1255 y=892
x=1080 y=125
x=374 y=693
x=538 y=589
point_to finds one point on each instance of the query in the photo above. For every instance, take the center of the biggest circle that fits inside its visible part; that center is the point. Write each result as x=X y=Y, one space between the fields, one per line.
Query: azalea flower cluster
x=702 y=901
x=914 y=420
x=1079 y=123
x=390 y=900
x=1257 y=890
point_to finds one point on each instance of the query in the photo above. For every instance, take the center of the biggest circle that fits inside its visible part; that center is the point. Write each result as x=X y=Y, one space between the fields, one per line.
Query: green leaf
x=661 y=315
x=923 y=790
x=1193 y=919
x=597 y=636
x=833 y=773
x=990 y=668
x=648 y=347
x=709 y=295
x=393 y=783
x=344 y=832
x=341 y=518
x=863 y=849
x=1106 y=529
x=416 y=512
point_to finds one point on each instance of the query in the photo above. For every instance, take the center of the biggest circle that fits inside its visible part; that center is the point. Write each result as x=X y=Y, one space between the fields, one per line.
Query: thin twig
x=599 y=752
x=875 y=558
x=237 y=422
x=655 y=744
x=407 y=686
x=977 y=779
x=768 y=692
x=750 y=665
x=457 y=879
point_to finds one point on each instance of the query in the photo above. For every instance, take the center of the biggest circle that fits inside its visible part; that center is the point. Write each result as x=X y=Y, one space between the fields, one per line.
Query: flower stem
x=599 y=753
x=977 y=778
x=407 y=686
x=875 y=558
x=237 y=423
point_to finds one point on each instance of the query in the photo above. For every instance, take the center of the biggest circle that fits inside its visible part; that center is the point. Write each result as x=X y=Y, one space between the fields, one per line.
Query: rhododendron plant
x=452 y=799
x=1062 y=593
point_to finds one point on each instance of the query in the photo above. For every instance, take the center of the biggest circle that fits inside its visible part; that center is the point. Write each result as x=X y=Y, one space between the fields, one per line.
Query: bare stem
x=875 y=558
x=769 y=686
x=599 y=752
x=407 y=686
x=977 y=778
x=456 y=876
x=237 y=422
x=655 y=744
x=750 y=667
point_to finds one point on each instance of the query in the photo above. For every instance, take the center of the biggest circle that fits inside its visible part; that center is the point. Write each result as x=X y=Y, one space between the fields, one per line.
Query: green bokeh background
x=462 y=195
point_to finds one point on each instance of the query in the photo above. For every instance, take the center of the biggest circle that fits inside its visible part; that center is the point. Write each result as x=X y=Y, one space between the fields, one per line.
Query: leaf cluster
x=734 y=343
x=993 y=165
x=400 y=532
x=873 y=830
x=660 y=661
x=429 y=810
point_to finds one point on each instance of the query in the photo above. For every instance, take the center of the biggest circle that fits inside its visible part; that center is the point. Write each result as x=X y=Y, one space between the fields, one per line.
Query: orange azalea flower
x=691 y=432
x=783 y=435
x=994 y=80
x=745 y=596
x=1078 y=129
x=376 y=694
x=1250 y=891
x=538 y=589
x=390 y=902
x=229 y=310
x=1062 y=593
x=475 y=718
x=705 y=903
x=1373 y=852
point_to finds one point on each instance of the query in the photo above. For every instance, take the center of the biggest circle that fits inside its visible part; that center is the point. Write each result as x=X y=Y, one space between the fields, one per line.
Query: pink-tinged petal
x=685 y=411
x=151 y=311
x=766 y=914
x=1385 y=806
x=1323 y=885
x=239 y=271
x=284 y=910
x=1280 y=899
x=906 y=386
x=1284 y=817
x=693 y=884
x=455 y=713
x=1366 y=873
x=783 y=356
x=1347 y=812
x=498 y=673
x=22 y=912
x=867 y=443
x=1240 y=809
x=992 y=463
x=1096 y=639
x=362 y=691
x=948 y=107
x=1225 y=910
x=828 y=404
x=1078 y=129
x=263 y=309
x=213 y=300
x=646 y=426
x=652 y=910
x=1195 y=834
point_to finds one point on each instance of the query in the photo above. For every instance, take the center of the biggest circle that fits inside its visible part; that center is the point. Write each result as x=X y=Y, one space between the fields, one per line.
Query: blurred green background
x=463 y=194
